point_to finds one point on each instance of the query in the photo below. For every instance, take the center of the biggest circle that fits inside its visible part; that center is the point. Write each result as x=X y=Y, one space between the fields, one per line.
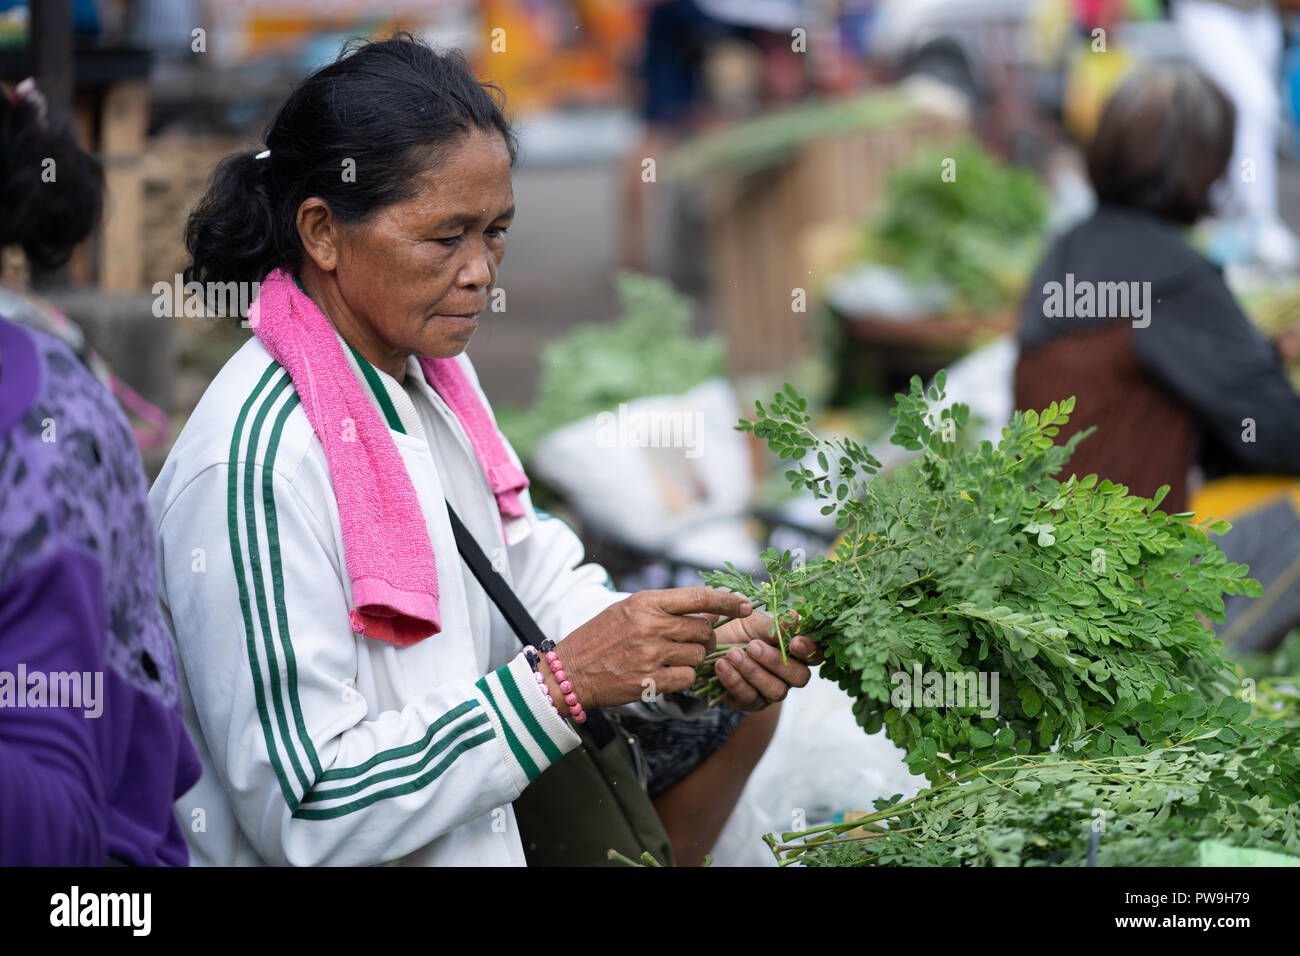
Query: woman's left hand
x=754 y=675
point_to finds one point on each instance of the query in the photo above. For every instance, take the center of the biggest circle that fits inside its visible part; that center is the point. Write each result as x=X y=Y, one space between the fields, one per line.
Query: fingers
x=700 y=599
x=671 y=680
x=757 y=682
x=792 y=672
x=758 y=626
x=806 y=650
x=761 y=667
x=685 y=654
x=744 y=695
x=689 y=630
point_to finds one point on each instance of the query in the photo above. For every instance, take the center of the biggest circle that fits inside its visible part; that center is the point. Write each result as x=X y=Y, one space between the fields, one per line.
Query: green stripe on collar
x=381 y=393
x=372 y=379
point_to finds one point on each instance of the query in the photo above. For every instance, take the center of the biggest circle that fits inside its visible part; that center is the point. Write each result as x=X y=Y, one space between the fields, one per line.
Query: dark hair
x=45 y=213
x=381 y=104
x=1165 y=136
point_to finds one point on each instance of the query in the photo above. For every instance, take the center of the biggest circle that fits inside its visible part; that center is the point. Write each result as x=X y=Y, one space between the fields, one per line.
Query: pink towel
x=393 y=571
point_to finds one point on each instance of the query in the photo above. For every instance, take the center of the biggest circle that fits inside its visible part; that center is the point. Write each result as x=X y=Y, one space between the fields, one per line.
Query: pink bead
x=572 y=700
x=566 y=687
x=560 y=675
x=552 y=656
x=579 y=716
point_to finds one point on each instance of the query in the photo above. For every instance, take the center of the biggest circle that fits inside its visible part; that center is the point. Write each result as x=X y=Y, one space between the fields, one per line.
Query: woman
x=93 y=750
x=355 y=696
x=1127 y=317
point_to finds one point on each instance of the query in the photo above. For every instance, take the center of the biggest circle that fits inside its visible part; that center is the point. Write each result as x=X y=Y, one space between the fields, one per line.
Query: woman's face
x=418 y=272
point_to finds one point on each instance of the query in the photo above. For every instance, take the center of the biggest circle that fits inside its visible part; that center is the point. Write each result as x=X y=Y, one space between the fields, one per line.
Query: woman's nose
x=478 y=271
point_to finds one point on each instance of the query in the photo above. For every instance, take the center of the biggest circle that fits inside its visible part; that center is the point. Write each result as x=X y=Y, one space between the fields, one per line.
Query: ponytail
x=232 y=234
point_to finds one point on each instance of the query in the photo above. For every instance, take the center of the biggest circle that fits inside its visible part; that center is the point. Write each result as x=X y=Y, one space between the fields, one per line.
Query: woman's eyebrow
x=465 y=218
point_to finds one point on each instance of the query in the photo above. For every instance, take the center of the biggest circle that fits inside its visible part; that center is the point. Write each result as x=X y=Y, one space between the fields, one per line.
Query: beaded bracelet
x=576 y=713
x=531 y=654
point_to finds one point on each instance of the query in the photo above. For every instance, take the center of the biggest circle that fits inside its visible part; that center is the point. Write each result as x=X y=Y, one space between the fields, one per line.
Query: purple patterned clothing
x=93 y=750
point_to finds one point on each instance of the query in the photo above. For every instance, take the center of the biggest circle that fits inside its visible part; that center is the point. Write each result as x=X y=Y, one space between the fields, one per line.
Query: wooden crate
x=756 y=224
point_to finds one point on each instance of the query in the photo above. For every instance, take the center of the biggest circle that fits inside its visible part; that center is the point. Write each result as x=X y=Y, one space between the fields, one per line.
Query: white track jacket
x=320 y=746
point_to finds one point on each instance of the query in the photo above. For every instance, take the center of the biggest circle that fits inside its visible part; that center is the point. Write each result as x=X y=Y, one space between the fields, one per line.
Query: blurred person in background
x=354 y=696
x=1238 y=45
x=1171 y=378
x=93 y=750
x=673 y=88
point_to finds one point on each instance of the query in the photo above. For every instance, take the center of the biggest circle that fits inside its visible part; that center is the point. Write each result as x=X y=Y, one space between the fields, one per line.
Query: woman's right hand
x=647 y=644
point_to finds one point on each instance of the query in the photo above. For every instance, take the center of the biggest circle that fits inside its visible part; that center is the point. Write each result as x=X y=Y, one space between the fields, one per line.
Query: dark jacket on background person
x=1192 y=386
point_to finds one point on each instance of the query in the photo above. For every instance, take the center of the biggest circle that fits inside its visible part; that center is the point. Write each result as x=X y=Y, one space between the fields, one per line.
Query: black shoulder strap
x=511 y=608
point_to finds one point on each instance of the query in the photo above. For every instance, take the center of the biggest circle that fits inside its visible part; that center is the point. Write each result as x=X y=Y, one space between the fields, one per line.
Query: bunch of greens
x=1117 y=740
x=1080 y=600
x=978 y=229
x=1202 y=772
x=648 y=350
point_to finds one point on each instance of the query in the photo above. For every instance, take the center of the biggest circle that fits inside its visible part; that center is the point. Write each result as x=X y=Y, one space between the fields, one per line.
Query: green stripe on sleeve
x=269 y=640
x=232 y=519
x=470 y=723
x=526 y=715
x=401 y=789
x=277 y=582
x=520 y=753
x=344 y=773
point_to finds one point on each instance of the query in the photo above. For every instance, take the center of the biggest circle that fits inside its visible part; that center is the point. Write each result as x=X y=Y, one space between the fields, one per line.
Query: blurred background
x=715 y=197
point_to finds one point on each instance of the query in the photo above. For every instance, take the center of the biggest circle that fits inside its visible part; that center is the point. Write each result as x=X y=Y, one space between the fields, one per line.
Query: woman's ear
x=318 y=231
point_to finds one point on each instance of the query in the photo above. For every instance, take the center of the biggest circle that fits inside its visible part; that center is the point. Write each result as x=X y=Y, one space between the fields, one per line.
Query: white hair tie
x=28 y=92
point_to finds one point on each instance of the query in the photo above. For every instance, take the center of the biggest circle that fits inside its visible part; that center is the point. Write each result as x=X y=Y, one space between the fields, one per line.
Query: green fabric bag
x=591 y=801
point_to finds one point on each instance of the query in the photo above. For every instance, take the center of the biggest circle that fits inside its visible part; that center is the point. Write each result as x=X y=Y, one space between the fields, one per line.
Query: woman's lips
x=468 y=321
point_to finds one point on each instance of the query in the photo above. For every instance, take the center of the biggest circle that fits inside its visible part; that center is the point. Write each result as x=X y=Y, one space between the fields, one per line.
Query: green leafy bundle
x=1204 y=773
x=648 y=350
x=978 y=230
x=1081 y=600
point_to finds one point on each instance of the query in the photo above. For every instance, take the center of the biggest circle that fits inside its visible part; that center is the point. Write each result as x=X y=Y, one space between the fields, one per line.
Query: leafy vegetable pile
x=648 y=350
x=980 y=232
x=1113 y=703
x=1200 y=773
